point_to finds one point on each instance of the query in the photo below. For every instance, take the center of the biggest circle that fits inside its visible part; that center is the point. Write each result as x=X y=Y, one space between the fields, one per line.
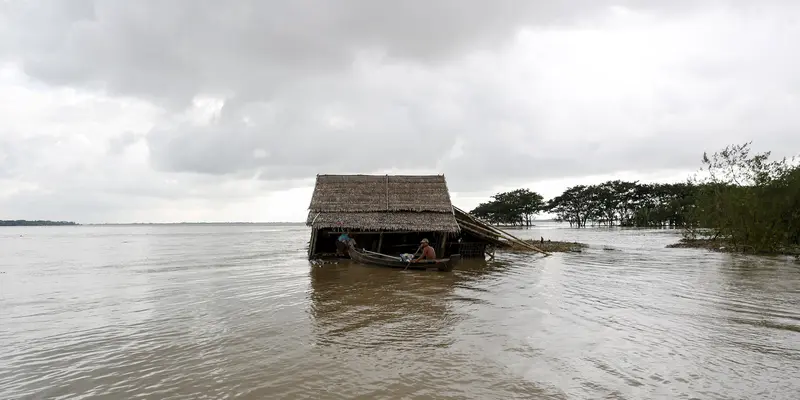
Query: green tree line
x=742 y=198
x=517 y=207
x=610 y=203
x=22 y=222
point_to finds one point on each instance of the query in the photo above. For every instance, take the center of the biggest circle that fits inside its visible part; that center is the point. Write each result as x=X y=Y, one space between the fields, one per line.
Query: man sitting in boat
x=428 y=253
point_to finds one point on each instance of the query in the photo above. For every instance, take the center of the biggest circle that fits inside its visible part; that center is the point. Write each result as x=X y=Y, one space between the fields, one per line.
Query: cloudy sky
x=200 y=110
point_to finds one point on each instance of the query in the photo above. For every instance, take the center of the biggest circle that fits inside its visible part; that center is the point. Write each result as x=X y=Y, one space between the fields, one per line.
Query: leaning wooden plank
x=522 y=242
x=509 y=236
x=483 y=232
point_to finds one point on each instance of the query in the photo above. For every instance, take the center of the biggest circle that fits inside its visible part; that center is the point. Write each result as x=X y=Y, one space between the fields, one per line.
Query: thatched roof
x=382 y=202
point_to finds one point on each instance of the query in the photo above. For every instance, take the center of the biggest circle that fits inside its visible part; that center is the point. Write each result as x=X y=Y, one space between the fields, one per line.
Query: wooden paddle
x=412 y=257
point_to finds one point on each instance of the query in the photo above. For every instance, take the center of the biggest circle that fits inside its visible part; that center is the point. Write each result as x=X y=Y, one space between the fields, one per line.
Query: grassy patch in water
x=708 y=244
x=553 y=246
x=725 y=246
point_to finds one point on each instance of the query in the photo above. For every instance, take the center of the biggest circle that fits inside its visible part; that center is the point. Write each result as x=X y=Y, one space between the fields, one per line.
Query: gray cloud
x=486 y=92
x=173 y=50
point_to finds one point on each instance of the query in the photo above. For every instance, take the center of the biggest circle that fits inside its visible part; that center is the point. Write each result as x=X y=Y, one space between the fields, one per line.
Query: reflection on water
x=357 y=306
x=236 y=311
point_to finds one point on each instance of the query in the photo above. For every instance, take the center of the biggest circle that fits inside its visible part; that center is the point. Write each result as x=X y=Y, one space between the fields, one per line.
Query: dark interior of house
x=401 y=242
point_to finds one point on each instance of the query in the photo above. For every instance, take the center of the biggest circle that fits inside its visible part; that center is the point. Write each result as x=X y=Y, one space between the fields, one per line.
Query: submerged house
x=390 y=214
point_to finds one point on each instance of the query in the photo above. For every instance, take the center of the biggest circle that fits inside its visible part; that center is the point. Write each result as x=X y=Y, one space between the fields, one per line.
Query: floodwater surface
x=236 y=311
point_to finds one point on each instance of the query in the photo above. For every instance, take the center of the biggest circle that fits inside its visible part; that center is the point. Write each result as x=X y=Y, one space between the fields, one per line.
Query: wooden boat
x=384 y=260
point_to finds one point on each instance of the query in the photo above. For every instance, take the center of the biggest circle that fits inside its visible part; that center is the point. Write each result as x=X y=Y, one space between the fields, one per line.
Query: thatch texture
x=359 y=193
x=381 y=202
x=383 y=221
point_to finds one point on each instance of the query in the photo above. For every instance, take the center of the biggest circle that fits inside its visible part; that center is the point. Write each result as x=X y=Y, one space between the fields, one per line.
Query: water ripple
x=225 y=311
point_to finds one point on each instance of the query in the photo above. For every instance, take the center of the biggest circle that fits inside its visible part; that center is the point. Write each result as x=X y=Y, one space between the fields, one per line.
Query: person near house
x=428 y=253
x=342 y=244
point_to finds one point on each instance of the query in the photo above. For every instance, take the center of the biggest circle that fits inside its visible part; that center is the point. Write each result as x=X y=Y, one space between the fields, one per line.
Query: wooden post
x=443 y=247
x=489 y=253
x=312 y=244
x=380 y=242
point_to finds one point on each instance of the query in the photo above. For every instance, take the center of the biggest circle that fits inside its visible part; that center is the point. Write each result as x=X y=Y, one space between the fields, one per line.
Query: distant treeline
x=746 y=200
x=611 y=203
x=22 y=222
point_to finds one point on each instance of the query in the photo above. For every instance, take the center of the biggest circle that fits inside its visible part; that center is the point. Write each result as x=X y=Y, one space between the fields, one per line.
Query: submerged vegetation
x=517 y=207
x=737 y=201
x=556 y=246
x=746 y=201
x=613 y=203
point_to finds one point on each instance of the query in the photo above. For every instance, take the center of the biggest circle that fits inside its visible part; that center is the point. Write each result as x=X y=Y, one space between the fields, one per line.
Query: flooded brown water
x=236 y=311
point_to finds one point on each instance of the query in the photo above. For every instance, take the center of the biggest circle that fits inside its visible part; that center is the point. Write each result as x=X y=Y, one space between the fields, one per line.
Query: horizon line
x=74 y=223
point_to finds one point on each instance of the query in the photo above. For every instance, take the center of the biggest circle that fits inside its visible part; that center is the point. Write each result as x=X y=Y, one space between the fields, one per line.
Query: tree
x=624 y=204
x=517 y=207
x=747 y=200
x=572 y=206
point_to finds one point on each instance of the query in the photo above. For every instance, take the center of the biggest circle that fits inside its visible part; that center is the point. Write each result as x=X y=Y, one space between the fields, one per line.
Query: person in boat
x=428 y=253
